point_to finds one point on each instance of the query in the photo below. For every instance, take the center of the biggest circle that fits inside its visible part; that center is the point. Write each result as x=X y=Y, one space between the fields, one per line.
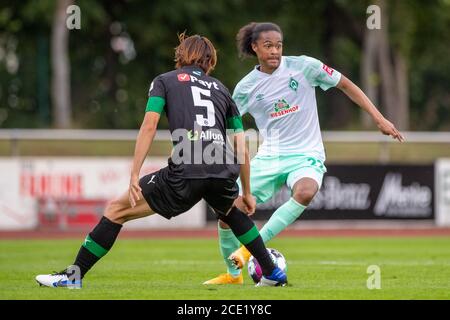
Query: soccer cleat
x=278 y=278
x=58 y=279
x=240 y=257
x=226 y=278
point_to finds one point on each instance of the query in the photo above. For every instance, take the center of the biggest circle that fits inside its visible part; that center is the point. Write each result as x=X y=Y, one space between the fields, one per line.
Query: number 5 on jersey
x=210 y=120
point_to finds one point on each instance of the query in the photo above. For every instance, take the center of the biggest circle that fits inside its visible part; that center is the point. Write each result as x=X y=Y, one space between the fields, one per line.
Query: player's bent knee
x=304 y=195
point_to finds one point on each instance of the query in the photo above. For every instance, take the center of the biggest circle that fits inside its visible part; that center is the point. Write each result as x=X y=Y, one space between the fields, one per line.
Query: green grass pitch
x=318 y=268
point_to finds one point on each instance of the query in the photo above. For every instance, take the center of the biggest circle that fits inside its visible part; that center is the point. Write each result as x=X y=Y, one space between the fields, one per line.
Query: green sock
x=228 y=244
x=281 y=218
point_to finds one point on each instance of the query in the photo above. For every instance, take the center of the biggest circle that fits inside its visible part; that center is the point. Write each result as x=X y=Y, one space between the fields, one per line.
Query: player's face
x=269 y=49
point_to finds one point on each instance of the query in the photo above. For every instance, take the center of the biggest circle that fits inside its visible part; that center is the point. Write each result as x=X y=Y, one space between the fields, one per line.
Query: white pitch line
x=381 y=263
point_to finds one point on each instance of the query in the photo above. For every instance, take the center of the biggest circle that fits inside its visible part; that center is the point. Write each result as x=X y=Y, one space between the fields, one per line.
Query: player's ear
x=255 y=47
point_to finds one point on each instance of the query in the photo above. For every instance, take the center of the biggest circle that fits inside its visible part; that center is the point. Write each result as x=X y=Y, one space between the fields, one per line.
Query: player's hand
x=239 y=203
x=387 y=128
x=249 y=203
x=134 y=190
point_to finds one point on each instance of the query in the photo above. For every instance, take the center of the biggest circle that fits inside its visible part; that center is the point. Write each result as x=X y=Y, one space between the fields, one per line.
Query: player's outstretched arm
x=143 y=143
x=244 y=159
x=359 y=97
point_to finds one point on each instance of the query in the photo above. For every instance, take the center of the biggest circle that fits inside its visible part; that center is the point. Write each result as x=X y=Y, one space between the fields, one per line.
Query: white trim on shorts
x=306 y=172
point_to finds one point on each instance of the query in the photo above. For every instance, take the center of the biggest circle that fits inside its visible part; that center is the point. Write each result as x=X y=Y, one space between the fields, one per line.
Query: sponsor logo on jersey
x=192 y=136
x=281 y=108
x=281 y=104
x=215 y=137
x=328 y=69
x=204 y=83
x=183 y=77
x=293 y=84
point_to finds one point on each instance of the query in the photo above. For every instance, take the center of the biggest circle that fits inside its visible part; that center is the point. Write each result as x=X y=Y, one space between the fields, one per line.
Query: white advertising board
x=25 y=180
x=442 y=180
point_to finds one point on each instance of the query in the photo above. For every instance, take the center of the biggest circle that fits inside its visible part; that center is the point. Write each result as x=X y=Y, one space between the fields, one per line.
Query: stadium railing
x=14 y=136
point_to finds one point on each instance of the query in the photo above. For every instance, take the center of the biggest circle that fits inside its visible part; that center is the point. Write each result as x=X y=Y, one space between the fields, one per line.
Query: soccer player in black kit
x=203 y=165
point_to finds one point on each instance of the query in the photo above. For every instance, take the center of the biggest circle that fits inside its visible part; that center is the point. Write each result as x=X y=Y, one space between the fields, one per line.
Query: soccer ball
x=254 y=269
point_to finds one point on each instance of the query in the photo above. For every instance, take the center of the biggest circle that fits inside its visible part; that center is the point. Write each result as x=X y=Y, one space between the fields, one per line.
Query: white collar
x=263 y=74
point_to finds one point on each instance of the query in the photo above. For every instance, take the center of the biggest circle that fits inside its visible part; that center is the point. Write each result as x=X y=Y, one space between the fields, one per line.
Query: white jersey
x=284 y=105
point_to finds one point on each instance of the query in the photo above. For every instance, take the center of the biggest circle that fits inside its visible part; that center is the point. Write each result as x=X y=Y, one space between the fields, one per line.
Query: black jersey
x=199 y=109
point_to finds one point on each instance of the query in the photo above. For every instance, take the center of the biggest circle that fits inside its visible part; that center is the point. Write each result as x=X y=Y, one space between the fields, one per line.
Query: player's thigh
x=120 y=210
x=169 y=194
x=266 y=178
x=220 y=194
x=304 y=167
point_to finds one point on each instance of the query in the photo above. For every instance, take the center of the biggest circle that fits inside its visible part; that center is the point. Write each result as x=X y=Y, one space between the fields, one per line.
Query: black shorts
x=170 y=195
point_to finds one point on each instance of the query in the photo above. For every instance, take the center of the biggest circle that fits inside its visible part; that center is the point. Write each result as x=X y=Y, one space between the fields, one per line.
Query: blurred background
x=74 y=77
x=121 y=45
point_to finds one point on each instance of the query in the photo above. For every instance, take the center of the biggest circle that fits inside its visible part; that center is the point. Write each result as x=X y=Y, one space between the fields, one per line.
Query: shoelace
x=60 y=273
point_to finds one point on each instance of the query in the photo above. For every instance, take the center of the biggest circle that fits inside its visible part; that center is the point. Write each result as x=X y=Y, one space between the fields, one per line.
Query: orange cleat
x=240 y=257
x=226 y=278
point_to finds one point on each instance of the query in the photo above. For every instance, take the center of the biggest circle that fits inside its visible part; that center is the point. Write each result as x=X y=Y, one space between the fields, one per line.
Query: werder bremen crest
x=293 y=84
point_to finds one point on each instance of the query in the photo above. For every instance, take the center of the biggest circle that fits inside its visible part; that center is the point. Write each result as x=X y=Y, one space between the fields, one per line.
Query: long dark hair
x=249 y=33
x=195 y=50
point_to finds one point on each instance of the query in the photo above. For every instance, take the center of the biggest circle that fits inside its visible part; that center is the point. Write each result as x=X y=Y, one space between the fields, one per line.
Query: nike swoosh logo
x=65 y=283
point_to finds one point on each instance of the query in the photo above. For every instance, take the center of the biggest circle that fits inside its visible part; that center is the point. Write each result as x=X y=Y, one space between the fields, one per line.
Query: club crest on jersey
x=328 y=69
x=293 y=84
x=281 y=108
x=183 y=77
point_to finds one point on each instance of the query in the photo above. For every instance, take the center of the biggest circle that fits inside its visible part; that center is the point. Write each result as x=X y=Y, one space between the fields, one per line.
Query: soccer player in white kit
x=280 y=95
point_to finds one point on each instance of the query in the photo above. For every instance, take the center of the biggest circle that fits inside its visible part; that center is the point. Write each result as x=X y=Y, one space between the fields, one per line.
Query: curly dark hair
x=249 y=33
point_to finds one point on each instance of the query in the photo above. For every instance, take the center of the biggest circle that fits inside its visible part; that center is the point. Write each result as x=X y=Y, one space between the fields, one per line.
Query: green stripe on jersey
x=235 y=123
x=155 y=104
x=94 y=247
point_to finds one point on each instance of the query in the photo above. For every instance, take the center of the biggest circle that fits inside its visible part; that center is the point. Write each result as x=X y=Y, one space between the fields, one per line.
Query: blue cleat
x=278 y=278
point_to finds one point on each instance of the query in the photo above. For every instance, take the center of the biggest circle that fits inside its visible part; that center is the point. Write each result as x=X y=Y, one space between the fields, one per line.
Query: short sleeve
x=156 y=96
x=234 y=120
x=241 y=98
x=319 y=74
